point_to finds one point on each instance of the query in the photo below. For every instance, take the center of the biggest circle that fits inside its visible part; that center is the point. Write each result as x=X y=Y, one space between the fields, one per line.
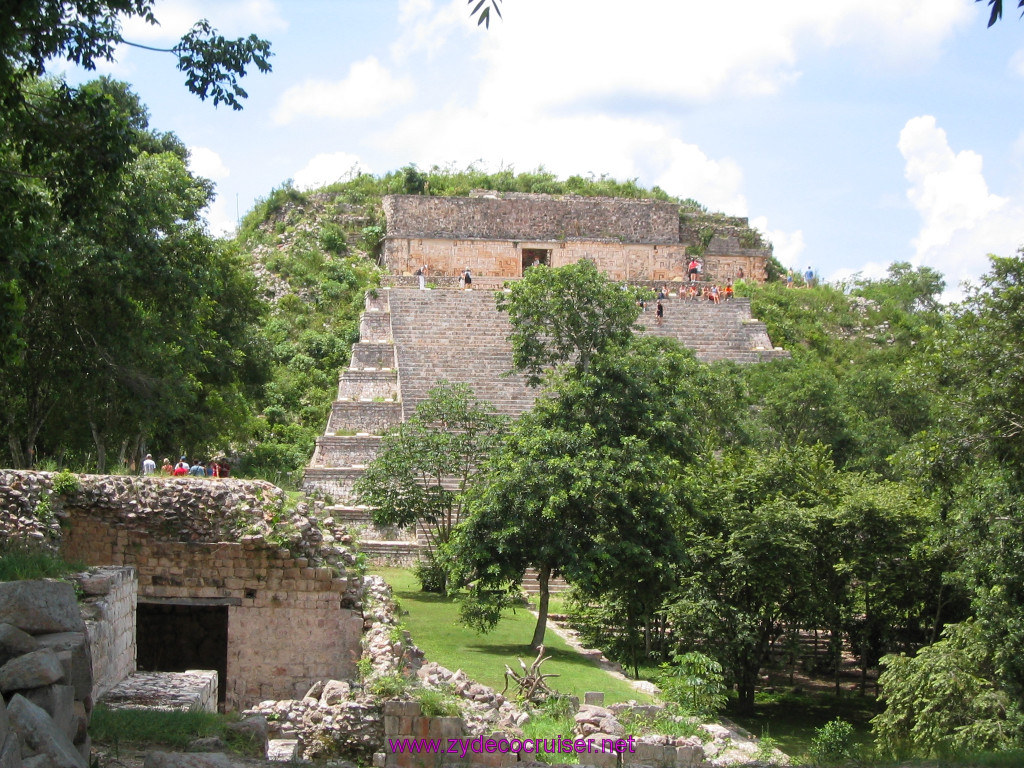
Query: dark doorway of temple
x=177 y=638
x=535 y=256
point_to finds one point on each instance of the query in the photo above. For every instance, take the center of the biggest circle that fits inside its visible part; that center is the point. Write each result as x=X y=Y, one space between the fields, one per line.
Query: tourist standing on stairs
x=421 y=273
x=468 y=279
x=660 y=314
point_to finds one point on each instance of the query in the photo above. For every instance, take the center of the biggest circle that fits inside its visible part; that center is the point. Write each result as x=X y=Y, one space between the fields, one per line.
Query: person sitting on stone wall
x=728 y=291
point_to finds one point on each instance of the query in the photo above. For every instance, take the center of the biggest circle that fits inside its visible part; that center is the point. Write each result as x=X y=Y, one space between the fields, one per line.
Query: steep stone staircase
x=410 y=339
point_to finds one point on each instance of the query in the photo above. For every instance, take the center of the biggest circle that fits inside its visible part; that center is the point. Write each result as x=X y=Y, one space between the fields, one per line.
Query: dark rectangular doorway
x=179 y=637
x=535 y=256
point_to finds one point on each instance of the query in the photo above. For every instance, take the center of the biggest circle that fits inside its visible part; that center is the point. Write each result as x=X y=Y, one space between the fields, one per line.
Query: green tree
x=86 y=32
x=564 y=314
x=997 y=10
x=944 y=701
x=598 y=458
x=427 y=463
x=750 y=543
x=61 y=146
x=139 y=324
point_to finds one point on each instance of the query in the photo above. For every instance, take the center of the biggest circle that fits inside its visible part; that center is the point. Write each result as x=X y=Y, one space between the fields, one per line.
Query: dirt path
x=613 y=668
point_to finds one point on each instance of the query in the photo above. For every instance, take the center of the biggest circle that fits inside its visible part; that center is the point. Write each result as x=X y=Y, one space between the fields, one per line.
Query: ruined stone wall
x=109 y=595
x=294 y=614
x=288 y=622
x=535 y=218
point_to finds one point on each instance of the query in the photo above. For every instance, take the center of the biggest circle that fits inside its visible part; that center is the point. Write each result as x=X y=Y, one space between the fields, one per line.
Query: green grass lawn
x=433 y=621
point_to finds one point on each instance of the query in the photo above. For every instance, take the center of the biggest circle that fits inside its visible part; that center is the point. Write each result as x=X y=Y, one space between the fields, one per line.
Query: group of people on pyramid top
x=218 y=467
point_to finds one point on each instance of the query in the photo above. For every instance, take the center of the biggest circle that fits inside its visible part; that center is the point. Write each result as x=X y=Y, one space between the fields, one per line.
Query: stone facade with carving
x=501 y=234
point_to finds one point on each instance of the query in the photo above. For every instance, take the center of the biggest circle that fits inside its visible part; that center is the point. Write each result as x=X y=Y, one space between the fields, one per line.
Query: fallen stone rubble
x=45 y=677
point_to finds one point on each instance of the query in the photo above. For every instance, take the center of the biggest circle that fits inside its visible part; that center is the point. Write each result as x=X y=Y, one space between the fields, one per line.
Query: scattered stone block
x=39 y=734
x=10 y=749
x=39 y=607
x=15 y=642
x=335 y=691
x=594 y=697
x=33 y=670
x=58 y=701
x=77 y=644
x=278 y=751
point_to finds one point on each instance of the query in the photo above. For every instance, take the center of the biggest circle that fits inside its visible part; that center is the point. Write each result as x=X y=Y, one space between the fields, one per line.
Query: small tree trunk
x=101 y=449
x=543 y=577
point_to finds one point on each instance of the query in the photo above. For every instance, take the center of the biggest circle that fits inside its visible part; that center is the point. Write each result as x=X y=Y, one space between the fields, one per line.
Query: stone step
x=531 y=585
x=345 y=451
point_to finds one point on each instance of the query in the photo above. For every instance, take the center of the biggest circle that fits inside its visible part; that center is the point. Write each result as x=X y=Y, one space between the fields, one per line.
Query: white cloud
x=204 y=162
x=368 y=91
x=622 y=148
x=231 y=18
x=426 y=30
x=788 y=246
x=961 y=221
x=327 y=168
x=545 y=54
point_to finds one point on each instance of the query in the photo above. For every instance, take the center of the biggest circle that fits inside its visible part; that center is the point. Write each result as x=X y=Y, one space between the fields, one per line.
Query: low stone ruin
x=45 y=677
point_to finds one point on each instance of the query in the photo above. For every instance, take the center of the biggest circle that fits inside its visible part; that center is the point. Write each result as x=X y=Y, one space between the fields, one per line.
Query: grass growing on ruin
x=21 y=560
x=148 y=726
x=433 y=621
x=123 y=727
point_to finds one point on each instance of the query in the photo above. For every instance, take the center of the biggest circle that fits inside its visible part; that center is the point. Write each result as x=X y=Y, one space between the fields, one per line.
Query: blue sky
x=853 y=133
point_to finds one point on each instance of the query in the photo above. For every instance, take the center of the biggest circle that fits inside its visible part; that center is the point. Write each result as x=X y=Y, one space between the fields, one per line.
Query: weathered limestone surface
x=46 y=679
x=38 y=607
x=191 y=691
x=40 y=735
x=15 y=642
x=33 y=670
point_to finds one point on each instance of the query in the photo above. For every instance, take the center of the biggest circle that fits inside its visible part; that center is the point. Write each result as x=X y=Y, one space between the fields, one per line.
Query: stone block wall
x=336 y=482
x=346 y=451
x=405 y=720
x=622 y=262
x=370 y=417
x=367 y=354
x=368 y=385
x=288 y=623
x=532 y=217
x=108 y=608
